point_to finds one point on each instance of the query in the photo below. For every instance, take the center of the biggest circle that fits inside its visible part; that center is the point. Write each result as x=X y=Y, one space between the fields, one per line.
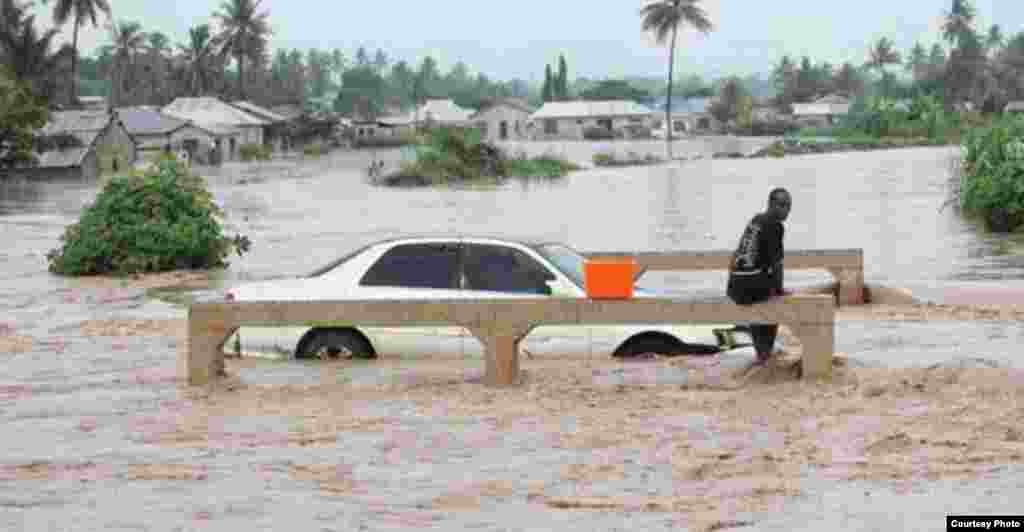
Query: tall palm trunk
x=241 y=77
x=668 y=102
x=73 y=98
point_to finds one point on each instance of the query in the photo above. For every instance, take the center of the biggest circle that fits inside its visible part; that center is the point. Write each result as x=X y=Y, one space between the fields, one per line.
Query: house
x=80 y=145
x=441 y=113
x=92 y=103
x=502 y=119
x=688 y=114
x=823 y=110
x=154 y=131
x=568 y=120
x=274 y=133
x=1014 y=107
x=231 y=126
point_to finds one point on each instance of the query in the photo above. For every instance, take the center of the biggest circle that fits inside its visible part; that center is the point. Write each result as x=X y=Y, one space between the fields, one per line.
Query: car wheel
x=661 y=344
x=330 y=344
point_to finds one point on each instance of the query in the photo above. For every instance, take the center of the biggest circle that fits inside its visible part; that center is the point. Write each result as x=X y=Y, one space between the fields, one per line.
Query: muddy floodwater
x=924 y=419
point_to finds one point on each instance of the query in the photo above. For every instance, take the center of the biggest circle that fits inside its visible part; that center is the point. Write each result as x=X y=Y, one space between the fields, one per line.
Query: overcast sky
x=599 y=39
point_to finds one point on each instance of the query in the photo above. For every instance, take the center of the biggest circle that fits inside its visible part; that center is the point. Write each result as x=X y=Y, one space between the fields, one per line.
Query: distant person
x=755 y=273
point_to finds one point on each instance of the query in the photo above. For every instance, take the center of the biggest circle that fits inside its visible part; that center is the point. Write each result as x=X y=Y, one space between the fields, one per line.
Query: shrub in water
x=160 y=220
x=249 y=152
x=992 y=175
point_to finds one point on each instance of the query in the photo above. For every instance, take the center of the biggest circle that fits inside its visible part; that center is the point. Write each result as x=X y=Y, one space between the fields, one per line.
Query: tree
x=785 y=77
x=21 y=114
x=959 y=22
x=362 y=58
x=80 y=11
x=547 y=92
x=338 y=64
x=917 y=61
x=243 y=34
x=562 y=87
x=881 y=55
x=614 y=89
x=27 y=53
x=733 y=102
x=995 y=38
x=128 y=39
x=197 y=55
x=664 y=17
x=847 y=80
x=380 y=61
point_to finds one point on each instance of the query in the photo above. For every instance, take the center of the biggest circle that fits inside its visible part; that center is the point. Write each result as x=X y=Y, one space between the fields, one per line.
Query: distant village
x=211 y=131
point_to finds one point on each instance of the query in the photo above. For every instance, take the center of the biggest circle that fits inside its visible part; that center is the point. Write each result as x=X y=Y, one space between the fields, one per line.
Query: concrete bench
x=845 y=265
x=500 y=324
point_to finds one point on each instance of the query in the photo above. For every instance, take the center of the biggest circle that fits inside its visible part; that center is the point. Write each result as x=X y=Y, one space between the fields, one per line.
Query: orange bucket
x=610 y=278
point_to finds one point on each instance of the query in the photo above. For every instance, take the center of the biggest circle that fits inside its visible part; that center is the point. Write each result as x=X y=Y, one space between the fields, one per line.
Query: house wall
x=489 y=122
x=572 y=128
x=252 y=135
x=114 y=148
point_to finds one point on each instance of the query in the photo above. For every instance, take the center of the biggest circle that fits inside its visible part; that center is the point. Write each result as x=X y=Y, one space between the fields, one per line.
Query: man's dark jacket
x=755 y=273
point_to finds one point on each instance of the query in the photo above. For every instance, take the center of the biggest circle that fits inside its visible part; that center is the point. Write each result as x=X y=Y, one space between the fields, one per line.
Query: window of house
x=416 y=266
x=579 y=122
x=551 y=126
x=635 y=120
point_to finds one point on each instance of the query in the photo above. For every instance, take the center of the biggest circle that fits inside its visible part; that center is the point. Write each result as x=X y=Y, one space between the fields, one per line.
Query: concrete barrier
x=500 y=324
x=845 y=265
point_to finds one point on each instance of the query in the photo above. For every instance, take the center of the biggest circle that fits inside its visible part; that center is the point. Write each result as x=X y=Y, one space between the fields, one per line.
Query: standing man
x=755 y=273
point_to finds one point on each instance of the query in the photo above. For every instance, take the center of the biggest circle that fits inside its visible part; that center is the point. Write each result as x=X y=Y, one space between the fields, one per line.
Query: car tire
x=661 y=344
x=332 y=343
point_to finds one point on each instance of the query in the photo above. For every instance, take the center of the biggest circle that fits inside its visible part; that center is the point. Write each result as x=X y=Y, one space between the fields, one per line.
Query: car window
x=338 y=262
x=503 y=269
x=416 y=266
x=565 y=259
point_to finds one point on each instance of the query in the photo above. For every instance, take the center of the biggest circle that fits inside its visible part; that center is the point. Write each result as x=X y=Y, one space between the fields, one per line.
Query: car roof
x=528 y=242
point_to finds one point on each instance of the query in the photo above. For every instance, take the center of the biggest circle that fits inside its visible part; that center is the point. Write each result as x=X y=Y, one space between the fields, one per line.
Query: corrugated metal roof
x=84 y=125
x=832 y=98
x=63 y=158
x=75 y=121
x=442 y=111
x=289 y=112
x=515 y=104
x=258 y=111
x=206 y=110
x=148 y=121
x=588 y=109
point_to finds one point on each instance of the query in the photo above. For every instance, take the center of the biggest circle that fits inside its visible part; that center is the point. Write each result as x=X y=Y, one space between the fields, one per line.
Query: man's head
x=779 y=203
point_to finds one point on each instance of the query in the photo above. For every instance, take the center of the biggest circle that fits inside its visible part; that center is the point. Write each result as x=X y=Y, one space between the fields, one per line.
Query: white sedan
x=453 y=268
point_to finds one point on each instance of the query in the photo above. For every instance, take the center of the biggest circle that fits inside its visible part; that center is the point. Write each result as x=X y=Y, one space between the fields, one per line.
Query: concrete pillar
x=818 y=341
x=203 y=359
x=501 y=353
x=850 y=283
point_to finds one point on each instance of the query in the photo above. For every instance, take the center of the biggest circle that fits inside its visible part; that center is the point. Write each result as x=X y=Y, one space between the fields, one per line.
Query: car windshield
x=337 y=262
x=565 y=259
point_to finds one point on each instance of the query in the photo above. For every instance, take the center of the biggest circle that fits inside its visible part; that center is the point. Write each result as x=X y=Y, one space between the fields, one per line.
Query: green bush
x=162 y=219
x=314 y=149
x=604 y=159
x=249 y=152
x=384 y=141
x=992 y=172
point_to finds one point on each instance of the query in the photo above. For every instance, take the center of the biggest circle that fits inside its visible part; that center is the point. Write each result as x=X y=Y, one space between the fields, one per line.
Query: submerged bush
x=162 y=219
x=251 y=151
x=992 y=175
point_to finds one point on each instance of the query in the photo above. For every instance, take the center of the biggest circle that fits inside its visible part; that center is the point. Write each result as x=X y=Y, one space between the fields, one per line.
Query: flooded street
x=98 y=434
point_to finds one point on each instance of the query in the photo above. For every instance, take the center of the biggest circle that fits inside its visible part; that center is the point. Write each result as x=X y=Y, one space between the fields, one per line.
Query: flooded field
x=98 y=434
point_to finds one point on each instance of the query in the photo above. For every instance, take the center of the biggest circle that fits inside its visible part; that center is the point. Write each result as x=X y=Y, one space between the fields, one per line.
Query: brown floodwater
x=80 y=407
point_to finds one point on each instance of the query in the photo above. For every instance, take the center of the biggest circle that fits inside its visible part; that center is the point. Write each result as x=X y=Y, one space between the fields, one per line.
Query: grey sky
x=600 y=39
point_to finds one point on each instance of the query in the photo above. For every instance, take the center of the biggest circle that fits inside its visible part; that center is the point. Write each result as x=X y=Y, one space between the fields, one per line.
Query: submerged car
x=466 y=268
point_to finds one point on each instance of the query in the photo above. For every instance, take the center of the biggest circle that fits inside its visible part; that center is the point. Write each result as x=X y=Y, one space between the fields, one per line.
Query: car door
x=413 y=270
x=500 y=271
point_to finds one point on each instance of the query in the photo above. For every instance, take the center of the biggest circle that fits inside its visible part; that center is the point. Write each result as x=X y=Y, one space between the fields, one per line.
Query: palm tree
x=197 y=54
x=81 y=11
x=663 y=17
x=243 y=33
x=129 y=40
x=883 y=54
x=917 y=59
x=995 y=40
x=959 y=22
x=27 y=53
